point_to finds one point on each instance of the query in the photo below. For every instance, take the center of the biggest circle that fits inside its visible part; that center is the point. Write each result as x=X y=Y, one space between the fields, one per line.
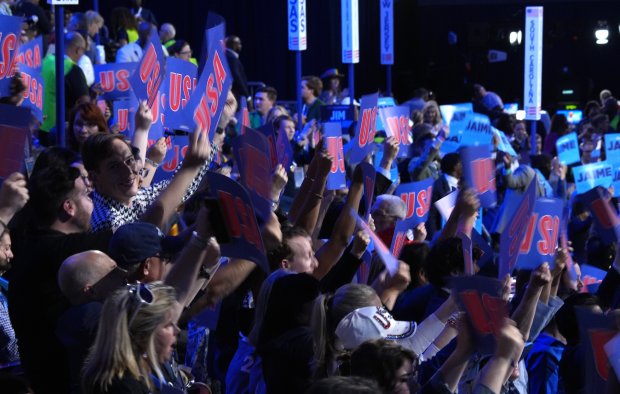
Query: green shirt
x=48 y=72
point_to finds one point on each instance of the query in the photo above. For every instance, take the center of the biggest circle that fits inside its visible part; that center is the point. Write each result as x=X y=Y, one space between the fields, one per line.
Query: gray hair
x=390 y=205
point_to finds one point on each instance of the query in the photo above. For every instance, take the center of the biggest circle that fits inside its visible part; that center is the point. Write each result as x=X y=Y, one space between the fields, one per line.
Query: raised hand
x=144 y=116
x=198 y=150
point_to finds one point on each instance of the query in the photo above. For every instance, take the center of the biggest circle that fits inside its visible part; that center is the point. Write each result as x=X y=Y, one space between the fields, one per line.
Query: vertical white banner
x=350 y=32
x=532 y=83
x=297 y=25
x=386 y=15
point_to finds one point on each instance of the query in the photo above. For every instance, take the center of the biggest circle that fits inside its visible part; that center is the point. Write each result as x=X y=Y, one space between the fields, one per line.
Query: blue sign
x=240 y=221
x=180 y=81
x=568 y=149
x=615 y=167
x=252 y=155
x=114 y=79
x=363 y=142
x=332 y=137
x=369 y=175
x=10 y=28
x=124 y=114
x=541 y=236
x=417 y=197
x=31 y=53
x=589 y=176
x=149 y=74
x=177 y=146
x=479 y=173
x=467 y=129
x=395 y=120
x=33 y=95
x=448 y=111
x=606 y=221
x=209 y=96
x=612 y=144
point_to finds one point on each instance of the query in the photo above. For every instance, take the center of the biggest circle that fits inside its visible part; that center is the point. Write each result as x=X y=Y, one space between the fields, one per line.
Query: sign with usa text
x=33 y=95
x=417 y=198
x=479 y=173
x=177 y=147
x=332 y=138
x=31 y=53
x=239 y=219
x=399 y=239
x=10 y=27
x=209 y=97
x=124 y=113
x=114 y=79
x=541 y=235
x=364 y=140
x=180 y=81
x=396 y=123
x=519 y=208
x=150 y=71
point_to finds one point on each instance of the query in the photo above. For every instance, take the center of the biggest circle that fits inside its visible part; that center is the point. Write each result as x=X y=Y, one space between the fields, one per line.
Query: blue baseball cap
x=133 y=243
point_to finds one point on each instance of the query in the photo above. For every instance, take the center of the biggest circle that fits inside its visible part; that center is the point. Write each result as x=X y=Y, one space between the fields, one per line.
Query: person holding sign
x=423 y=163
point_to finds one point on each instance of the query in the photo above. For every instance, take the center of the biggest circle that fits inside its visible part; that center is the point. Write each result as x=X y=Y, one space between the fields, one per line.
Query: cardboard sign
x=350 y=31
x=612 y=144
x=377 y=162
x=606 y=221
x=504 y=143
x=285 y=151
x=209 y=96
x=448 y=111
x=215 y=32
x=33 y=95
x=369 y=174
x=345 y=114
x=386 y=18
x=251 y=152
x=363 y=142
x=180 y=81
x=468 y=259
x=615 y=168
x=390 y=262
x=399 y=239
x=417 y=197
x=481 y=298
x=518 y=207
x=177 y=146
x=150 y=71
x=114 y=79
x=532 y=80
x=570 y=264
x=595 y=331
x=31 y=53
x=588 y=176
x=445 y=205
x=10 y=28
x=396 y=123
x=269 y=133
x=332 y=137
x=541 y=235
x=124 y=113
x=479 y=173
x=13 y=150
x=467 y=129
x=297 y=25
x=592 y=277
x=612 y=349
x=568 y=149
x=240 y=221
x=243 y=115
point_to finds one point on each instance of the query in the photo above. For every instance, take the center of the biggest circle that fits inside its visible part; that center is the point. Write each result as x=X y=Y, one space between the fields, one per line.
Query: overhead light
x=602 y=33
x=515 y=37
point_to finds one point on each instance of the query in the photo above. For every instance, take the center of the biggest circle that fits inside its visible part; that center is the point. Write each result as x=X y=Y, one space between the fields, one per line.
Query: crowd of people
x=113 y=282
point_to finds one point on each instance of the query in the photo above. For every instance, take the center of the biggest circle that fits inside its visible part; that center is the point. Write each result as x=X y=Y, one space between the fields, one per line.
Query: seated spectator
x=264 y=99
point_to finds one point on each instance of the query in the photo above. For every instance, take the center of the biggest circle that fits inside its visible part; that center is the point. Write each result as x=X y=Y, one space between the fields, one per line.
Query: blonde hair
x=122 y=348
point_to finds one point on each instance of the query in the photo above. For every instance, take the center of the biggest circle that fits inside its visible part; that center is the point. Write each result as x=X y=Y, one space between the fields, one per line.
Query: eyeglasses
x=142 y=295
x=186 y=53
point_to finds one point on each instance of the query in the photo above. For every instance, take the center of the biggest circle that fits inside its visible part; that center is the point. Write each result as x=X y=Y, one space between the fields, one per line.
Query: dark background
x=571 y=60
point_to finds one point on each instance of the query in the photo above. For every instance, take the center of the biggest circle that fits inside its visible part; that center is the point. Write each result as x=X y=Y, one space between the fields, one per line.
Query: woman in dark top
x=135 y=336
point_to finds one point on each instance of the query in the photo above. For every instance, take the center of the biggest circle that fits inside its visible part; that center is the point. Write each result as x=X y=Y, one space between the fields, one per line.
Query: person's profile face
x=262 y=103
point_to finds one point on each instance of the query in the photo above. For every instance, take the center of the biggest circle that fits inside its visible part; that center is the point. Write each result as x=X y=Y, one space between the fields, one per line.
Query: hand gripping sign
x=396 y=123
x=10 y=26
x=149 y=74
x=240 y=221
x=511 y=238
x=114 y=79
x=177 y=146
x=209 y=97
x=417 y=198
x=332 y=136
x=180 y=81
x=363 y=142
x=541 y=235
x=606 y=221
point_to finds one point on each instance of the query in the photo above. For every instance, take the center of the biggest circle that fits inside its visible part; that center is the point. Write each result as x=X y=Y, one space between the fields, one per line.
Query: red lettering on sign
x=404 y=130
x=148 y=63
x=256 y=172
x=334 y=146
x=123 y=119
x=367 y=126
x=516 y=227
x=201 y=115
x=548 y=227
x=484 y=175
x=601 y=212
x=232 y=220
x=393 y=124
x=424 y=201
x=187 y=88
x=9 y=45
x=598 y=339
x=220 y=73
x=528 y=236
x=123 y=80
x=212 y=95
x=475 y=310
x=175 y=91
x=107 y=80
x=399 y=242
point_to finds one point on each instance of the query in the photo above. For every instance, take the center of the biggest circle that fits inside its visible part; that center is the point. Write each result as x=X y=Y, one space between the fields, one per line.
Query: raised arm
x=13 y=197
x=309 y=214
x=524 y=313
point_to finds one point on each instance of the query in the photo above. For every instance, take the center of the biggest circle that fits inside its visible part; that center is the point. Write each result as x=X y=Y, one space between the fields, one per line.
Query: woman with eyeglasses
x=181 y=50
x=136 y=336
